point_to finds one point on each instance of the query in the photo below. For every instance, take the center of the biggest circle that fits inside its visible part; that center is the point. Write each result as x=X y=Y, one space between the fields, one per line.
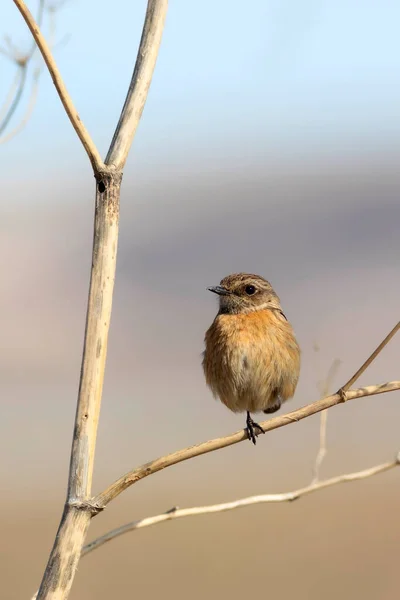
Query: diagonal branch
x=39 y=22
x=65 y=98
x=140 y=83
x=149 y=468
x=178 y=513
x=369 y=360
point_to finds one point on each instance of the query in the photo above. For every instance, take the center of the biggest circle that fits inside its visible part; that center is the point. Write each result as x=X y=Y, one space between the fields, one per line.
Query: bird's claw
x=252 y=428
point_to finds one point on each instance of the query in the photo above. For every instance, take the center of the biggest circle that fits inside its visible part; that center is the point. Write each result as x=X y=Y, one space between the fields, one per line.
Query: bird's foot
x=252 y=428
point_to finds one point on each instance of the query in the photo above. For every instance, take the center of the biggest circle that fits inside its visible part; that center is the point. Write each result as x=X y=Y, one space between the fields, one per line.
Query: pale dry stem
x=139 y=85
x=323 y=449
x=178 y=513
x=79 y=507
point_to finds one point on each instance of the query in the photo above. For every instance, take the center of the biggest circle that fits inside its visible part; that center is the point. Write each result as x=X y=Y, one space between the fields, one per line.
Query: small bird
x=251 y=359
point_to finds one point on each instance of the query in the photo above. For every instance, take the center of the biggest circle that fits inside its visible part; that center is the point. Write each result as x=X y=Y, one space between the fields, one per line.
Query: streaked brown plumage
x=252 y=359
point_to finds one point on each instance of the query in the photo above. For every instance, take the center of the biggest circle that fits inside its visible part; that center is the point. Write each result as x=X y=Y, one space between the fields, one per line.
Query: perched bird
x=252 y=359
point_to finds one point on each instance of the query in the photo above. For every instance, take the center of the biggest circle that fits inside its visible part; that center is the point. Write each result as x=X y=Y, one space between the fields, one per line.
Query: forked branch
x=79 y=507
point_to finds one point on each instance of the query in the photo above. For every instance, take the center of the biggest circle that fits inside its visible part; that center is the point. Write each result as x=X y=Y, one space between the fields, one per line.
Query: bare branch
x=7 y=54
x=23 y=61
x=322 y=450
x=177 y=513
x=12 y=51
x=325 y=388
x=16 y=100
x=65 y=98
x=28 y=111
x=149 y=468
x=79 y=508
x=140 y=83
x=39 y=22
x=369 y=360
x=10 y=98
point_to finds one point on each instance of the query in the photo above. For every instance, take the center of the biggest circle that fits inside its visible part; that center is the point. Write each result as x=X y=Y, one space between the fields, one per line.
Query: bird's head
x=244 y=293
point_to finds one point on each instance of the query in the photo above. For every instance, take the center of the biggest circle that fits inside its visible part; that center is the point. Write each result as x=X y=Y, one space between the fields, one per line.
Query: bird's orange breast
x=250 y=358
x=245 y=328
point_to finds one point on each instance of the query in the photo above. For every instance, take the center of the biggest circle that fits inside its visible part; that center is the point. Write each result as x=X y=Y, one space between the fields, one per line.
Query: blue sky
x=233 y=81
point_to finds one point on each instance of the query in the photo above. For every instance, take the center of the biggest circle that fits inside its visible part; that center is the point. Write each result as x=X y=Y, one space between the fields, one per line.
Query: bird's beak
x=218 y=289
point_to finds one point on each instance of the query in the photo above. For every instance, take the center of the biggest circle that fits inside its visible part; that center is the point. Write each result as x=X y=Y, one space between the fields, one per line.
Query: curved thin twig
x=121 y=484
x=28 y=111
x=178 y=513
x=65 y=98
x=17 y=98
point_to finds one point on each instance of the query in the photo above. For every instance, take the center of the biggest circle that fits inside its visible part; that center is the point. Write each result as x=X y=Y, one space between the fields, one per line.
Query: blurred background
x=270 y=143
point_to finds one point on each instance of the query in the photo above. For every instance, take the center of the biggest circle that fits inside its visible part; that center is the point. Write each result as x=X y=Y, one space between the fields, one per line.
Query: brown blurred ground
x=326 y=235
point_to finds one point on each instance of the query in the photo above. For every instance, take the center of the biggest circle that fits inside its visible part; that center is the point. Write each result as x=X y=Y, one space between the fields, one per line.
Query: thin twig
x=12 y=50
x=322 y=450
x=65 y=98
x=28 y=111
x=154 y=466
x=10 y=96
x=36 y=74
x=140 y=83
x=369 y=360
x=23 y=62
x=16 y=100
x=7 y=54
x=178 y=513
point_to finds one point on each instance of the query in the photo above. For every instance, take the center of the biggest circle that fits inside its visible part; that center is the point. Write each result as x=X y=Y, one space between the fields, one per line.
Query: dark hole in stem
x=101 y=187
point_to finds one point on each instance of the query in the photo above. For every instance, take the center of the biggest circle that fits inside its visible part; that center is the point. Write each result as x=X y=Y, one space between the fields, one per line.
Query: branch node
x=343 y=394
x=86 y=505
x=293 y=497
x=101 y=186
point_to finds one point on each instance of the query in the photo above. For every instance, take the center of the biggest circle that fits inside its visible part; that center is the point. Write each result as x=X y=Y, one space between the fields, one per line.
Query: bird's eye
x=250 y=290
